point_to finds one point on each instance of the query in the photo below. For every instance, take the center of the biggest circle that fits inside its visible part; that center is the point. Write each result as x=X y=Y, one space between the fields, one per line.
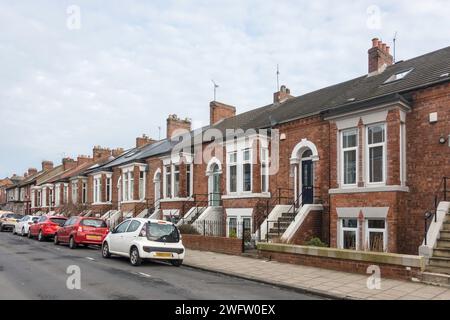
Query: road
x=33 y=270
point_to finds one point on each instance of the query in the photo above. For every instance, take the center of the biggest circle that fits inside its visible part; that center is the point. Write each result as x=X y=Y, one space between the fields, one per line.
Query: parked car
x=82 y=230
x=140 y=239
x=8 y=221
x=46 y=227
x=23 y=226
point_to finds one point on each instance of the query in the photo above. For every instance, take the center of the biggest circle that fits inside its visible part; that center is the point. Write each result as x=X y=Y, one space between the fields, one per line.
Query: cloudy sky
x=74 y=74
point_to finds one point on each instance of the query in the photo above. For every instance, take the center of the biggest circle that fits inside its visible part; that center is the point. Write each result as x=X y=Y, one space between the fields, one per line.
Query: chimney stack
x=117 y=152
x=379 y=57
x=143 y=141
x=98 y=152
x=82 y=159
x=219 y=111
x=177 y=126
x=68 y=163
x=32 y=171
x=283 y=95
x=47 y=165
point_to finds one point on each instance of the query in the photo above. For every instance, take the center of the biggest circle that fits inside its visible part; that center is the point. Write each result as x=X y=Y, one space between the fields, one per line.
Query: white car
x=23 y=226
x=140 y=239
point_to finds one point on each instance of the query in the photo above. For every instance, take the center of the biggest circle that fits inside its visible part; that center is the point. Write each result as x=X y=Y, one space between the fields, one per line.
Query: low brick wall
x=394 y=266
x=214 y=244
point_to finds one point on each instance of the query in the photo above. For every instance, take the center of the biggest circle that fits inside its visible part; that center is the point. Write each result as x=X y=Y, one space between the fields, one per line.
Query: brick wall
x=214 y=244
x=310 y=228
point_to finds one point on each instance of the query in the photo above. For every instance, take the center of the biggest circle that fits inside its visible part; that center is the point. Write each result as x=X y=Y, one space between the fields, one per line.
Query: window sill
x=100 y=203
x=175 y=199
x=376 y=188
x=132 y=201
x=246 y=195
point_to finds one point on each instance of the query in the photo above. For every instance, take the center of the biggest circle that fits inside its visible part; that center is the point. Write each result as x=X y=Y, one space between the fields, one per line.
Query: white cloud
x=63 y=91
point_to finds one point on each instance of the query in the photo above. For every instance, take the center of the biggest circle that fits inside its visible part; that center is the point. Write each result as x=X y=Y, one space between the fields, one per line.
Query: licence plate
x=89 y=237
x=163 y=254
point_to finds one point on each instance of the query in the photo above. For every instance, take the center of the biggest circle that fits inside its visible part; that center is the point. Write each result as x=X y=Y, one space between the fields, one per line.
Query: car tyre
x=29 y=235
x=176 y=263
x=14 y=231
x=56 y=240
x=105 y=251
x=72 y=243
x=40 y=236
x=135 y=259
x=22 y=233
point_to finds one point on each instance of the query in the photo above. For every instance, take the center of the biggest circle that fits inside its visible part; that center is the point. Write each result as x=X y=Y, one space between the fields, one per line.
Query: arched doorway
x=303 y=158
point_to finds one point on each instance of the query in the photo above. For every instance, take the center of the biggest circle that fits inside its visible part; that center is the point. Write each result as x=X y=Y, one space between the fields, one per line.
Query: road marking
x=89 y=258
x=145 y=275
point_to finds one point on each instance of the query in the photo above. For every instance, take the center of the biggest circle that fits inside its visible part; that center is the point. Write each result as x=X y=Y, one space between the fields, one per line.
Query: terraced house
x=358 y=164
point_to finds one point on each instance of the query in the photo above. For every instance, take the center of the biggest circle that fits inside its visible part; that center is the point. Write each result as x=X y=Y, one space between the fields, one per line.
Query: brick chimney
x=143 y=141
x=47 y=165
x=219 y=111
x=68 y=163
x=82 y=159
x=282 y=95
x=379 y=57
x=117 y=152
x=32 y=171
x=175 y=125
x=99 y=152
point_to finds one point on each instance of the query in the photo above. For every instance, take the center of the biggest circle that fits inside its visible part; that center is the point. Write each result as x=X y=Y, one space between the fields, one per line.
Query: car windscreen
x=95 y=223
x=35 y=219
x=162 y=232
x=14 y=216
x=58 y=221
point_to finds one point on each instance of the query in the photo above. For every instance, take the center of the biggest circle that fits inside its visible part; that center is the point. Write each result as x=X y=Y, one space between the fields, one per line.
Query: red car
x=46 y=227
x=82 y=230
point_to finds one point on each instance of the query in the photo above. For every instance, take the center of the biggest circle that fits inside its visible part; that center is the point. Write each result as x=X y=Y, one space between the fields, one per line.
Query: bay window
x=74 y=192
x=108 y=189
x=376 y=152
x=98 y=189
x=50 y=197
x=349 y=234
x=168 y=182
x=376 y=234
x=141 y=185
x=176 y=182
x=349 y=156
x=83 y=192
x=247 y=171
x=125 y=186
x=66 y=193
x=57 y=195
x=232 y=168
x=131 y=182
x=188 y=180
x=264 y=170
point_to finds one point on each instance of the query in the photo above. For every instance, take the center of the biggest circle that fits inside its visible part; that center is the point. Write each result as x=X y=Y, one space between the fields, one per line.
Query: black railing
x=442 y=194
x=200 y=202
x=211 y=228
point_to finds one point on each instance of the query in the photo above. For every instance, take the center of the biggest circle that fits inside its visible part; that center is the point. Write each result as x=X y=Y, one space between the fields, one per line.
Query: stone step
x=288 y=214
x=286 y=219
x=438 y=270
x=446 y=226
x=447 y=218
x=443 y=253
x=440 y=262
x=436 y=278
x=443 y=243
x=445 y=234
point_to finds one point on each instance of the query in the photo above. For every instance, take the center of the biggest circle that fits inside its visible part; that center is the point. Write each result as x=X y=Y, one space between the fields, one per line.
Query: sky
x=74 y=74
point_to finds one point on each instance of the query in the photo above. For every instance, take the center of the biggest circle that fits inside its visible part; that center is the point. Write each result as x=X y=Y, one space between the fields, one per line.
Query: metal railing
x=200 y=201
x=442 y=194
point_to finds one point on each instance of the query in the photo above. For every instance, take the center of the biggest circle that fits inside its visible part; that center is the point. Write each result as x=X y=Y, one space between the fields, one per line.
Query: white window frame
x=108 y=189
x=367 y=154
x=384 y=231
x=84 y=192
x=74 y=185
x=50 y=196
x=403 y=167
x=342 y=229
x=343 y=150
x=244 y=162
x=229 y=165
x=57 y=195
x=142 y=184
x=175 y=193
x=264 y=169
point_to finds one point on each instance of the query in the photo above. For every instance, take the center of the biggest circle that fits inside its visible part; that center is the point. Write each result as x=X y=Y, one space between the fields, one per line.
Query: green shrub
x=187 y=229
x=316 y=242
x=232 y=234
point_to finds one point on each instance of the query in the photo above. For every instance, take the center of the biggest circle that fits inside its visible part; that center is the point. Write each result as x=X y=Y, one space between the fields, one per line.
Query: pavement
x=323 y=282
x=33 y=270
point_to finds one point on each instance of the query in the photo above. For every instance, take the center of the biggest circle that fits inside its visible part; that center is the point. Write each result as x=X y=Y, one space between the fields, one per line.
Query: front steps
x=438 y=269
x=277 y=229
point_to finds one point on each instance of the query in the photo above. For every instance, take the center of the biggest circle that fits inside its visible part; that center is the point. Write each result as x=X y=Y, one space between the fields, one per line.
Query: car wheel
x=135 y=259
x=40 y=236
x=22 y=233
x=176 y=263
x=105 y=251
x=29 y=235
x=14 y=231
x=72 y=243
x=56 y=240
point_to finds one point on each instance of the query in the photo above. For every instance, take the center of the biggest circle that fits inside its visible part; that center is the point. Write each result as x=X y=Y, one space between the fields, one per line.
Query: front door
x=214 y=187
x=307 y=182
x=157 y=193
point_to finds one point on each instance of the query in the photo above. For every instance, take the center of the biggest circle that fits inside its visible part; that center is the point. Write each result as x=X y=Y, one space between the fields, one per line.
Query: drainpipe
x=329 y=184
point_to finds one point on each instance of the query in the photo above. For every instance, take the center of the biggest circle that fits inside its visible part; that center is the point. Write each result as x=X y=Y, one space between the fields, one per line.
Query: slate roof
x=363 y=91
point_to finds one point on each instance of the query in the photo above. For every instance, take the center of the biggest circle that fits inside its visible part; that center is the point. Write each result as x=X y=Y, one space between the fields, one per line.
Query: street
x=33 y=270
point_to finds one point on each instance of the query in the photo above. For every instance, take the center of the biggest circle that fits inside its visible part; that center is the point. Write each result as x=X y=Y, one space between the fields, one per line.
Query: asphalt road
x=33 y=270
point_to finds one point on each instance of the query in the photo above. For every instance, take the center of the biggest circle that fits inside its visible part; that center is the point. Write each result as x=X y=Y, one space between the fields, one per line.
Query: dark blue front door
x=307 y=182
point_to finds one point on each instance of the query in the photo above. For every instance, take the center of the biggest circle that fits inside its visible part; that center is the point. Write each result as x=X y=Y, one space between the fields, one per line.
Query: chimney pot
x=374 y=42
x=379 y=57
x=175 y=125
x=143 y=141
x=282 y=95
x=47 y=165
